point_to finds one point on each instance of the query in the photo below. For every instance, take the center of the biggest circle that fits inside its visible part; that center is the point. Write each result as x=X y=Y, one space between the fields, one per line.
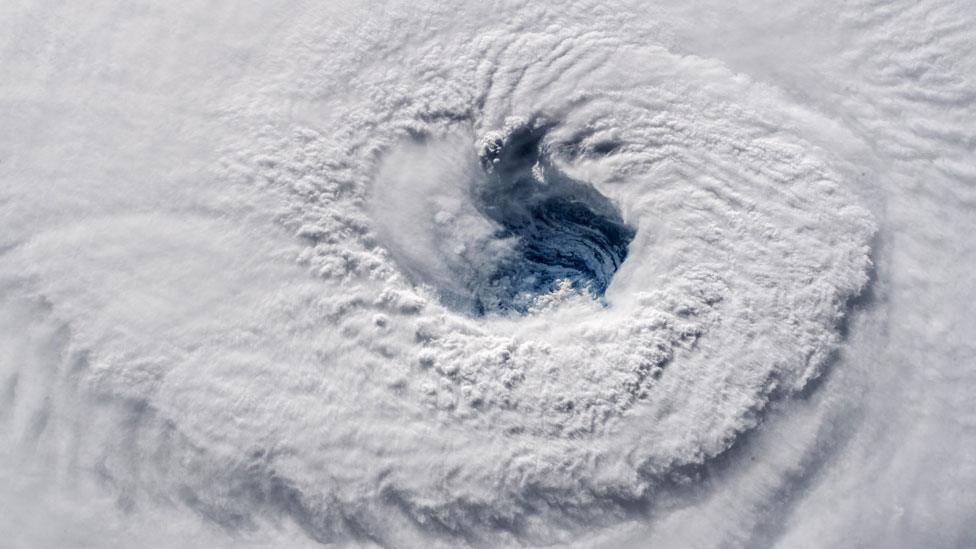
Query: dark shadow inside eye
x=605 y=147
x=564 y=229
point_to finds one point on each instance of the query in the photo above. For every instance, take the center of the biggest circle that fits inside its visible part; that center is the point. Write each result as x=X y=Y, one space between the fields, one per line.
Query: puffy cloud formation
x=689 y=275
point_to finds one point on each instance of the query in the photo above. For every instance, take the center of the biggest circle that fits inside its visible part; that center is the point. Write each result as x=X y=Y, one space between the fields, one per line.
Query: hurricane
x=496 y=274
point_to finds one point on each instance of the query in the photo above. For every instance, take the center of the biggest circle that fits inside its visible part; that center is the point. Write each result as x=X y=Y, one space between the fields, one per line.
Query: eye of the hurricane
x=503 y=232
x=566 y=234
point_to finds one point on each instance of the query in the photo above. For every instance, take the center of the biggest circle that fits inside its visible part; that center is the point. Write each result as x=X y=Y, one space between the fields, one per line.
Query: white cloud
x=235 y=241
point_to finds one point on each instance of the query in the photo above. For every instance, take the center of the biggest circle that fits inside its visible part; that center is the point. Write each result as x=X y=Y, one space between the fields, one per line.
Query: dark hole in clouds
x=564 y=229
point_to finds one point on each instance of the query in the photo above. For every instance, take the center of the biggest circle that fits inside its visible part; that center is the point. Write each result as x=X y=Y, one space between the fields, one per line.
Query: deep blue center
x=563 y=229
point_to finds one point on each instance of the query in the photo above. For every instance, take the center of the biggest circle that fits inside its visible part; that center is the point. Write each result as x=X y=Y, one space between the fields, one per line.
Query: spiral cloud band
x=495 y=275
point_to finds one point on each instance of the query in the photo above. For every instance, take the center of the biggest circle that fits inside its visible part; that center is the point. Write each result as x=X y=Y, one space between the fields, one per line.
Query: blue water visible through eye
x=564 y=229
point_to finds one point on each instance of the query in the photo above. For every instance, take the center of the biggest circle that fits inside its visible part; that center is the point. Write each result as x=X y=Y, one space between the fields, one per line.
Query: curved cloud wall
x=689 y=275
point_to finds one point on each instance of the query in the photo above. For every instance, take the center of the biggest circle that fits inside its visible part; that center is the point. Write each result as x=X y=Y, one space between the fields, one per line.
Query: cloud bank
x=401 y=275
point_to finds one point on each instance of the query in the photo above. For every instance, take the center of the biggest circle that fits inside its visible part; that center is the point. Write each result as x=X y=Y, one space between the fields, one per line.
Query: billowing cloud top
x=491 y=275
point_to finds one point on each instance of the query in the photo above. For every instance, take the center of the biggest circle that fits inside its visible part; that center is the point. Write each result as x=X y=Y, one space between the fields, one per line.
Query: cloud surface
x=692 y=275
